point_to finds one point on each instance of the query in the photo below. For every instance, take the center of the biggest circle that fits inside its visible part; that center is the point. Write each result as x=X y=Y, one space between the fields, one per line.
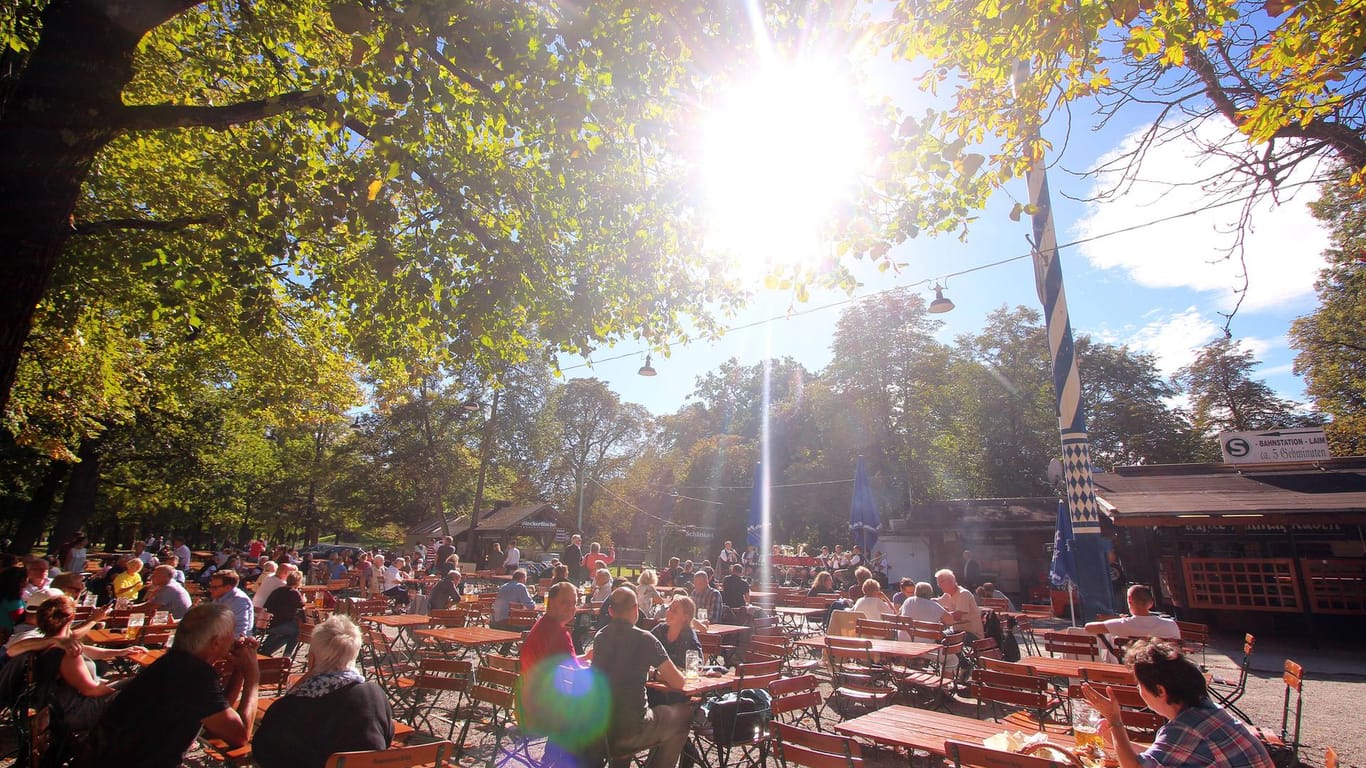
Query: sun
x=780 y=152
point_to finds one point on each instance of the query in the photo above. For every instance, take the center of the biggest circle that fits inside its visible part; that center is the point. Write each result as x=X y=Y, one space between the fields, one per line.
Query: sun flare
x=780 y=153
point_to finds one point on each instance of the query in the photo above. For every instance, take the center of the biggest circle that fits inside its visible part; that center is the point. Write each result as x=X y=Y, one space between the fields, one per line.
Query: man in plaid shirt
x=1197 y=732
x=707 y=597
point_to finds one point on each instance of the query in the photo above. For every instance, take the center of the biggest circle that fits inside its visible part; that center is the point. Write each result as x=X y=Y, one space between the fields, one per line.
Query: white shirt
x=1143 y=626
x=514 y=556
x=268 y=584
x=872 y=606
x=183 y=552
x=964 y=604
x=922 y=609
x=390 y=578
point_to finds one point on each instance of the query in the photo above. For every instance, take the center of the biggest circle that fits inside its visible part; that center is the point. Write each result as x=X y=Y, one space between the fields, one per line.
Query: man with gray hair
x=185 y=693
x=166 y=594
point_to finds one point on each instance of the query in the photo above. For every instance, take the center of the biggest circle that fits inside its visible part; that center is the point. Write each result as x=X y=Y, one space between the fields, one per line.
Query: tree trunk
x=39 y=507
x=65 y=106
x=79 y=500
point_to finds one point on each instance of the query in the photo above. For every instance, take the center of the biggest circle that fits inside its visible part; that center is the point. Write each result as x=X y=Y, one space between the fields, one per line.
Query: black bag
x=991 y=627
x=737 y=718
x=1010 y=647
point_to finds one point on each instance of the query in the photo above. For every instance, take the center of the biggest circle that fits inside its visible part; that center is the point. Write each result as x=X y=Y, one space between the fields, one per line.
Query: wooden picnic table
x=146 y=659
x=1070 y=668
x=702 y=684
x=904 y=649
x=721 y=630
x=399 y=621
x=471 y=637
x=112 y=637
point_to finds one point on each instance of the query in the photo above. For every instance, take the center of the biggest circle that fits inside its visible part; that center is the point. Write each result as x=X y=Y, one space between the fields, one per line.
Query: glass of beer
x=1086 y=728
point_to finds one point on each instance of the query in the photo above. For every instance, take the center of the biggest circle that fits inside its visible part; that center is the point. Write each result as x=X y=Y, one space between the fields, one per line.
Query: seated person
x=710 y=605
x=873 y=603
x=514 y=592
x=988 y=590
x=285 y=605
x=1197 y=732
x=922 y=606
x=446 y=592
x=67 y=670
x=332 y=709
x=624 y=654
x=184 y=693
x=648 y=591
x=602 y=586
x=1141 y=622
x=677 y=635
x=904 y=589
x=734 y=589
x=128 y=582
x=167 y=594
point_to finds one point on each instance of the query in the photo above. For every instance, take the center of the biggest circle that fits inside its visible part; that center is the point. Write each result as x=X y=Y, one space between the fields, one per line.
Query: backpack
x=738 y=718
x=991 y=627
x=1010 y=649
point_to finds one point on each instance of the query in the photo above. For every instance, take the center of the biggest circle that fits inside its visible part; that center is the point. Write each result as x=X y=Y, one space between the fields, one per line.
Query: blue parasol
x=1062 y=572
x=863 y=517
x=754 y=528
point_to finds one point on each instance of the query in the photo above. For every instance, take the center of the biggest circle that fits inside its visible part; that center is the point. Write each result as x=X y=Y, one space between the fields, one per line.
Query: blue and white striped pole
x=1093 y=578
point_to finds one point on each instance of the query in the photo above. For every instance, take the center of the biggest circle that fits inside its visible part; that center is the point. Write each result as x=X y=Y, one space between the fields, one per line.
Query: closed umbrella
x=754 y=528
x=863 y=517
x=1062 y=572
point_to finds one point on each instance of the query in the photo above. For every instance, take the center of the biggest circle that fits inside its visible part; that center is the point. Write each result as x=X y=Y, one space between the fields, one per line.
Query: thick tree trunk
x=79 y=500
x=33 y=522
x=61 y=113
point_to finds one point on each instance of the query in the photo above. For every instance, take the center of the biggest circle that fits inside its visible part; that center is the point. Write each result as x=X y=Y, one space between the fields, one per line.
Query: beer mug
x=1086 y=729
x=692 y=665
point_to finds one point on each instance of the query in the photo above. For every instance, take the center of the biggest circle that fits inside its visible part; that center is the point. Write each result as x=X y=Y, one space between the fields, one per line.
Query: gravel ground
x=1334 y=702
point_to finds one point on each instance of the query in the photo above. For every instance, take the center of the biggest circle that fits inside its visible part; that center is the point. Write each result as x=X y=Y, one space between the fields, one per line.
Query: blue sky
x=1158 y=288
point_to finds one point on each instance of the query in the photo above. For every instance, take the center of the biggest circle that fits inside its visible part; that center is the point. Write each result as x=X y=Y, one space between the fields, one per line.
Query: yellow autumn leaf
x=373 y=190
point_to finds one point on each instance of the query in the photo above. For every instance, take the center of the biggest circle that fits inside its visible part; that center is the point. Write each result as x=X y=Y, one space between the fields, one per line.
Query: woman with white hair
x=332 y=709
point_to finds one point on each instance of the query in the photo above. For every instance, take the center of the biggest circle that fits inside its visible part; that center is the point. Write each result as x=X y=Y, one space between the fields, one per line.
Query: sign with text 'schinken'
x=1291 y=444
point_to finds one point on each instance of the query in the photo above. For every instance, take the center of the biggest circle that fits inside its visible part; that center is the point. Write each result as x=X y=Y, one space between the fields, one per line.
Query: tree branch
x=413 y=166
x=460 y=74
x=152 y=117
x=103 y=226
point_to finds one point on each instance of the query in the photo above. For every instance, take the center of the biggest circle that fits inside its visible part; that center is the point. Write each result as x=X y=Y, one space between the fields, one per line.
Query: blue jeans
x=285 y=634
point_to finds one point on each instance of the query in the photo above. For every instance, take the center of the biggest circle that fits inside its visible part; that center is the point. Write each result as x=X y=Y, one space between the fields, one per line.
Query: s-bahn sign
x=1297 y=444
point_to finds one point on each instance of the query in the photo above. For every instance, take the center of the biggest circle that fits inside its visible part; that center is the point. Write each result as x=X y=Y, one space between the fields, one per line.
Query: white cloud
x=1175 y=339
x=1283 y=248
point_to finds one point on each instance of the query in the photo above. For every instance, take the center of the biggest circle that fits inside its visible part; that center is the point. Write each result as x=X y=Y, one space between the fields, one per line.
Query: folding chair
x=796 y=700
x=1030 y=698
x=435 y=678
x=496 y=689
x=859 y=682
x=1194 y=637
x=1069 y=645
x=877 y=630
x=939 y=681
x=436 y=755
x=1285 y=746
x=1228 y=691
x=1024 y=627
x=274 y=675
x=963 y=754
x=812 y=749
